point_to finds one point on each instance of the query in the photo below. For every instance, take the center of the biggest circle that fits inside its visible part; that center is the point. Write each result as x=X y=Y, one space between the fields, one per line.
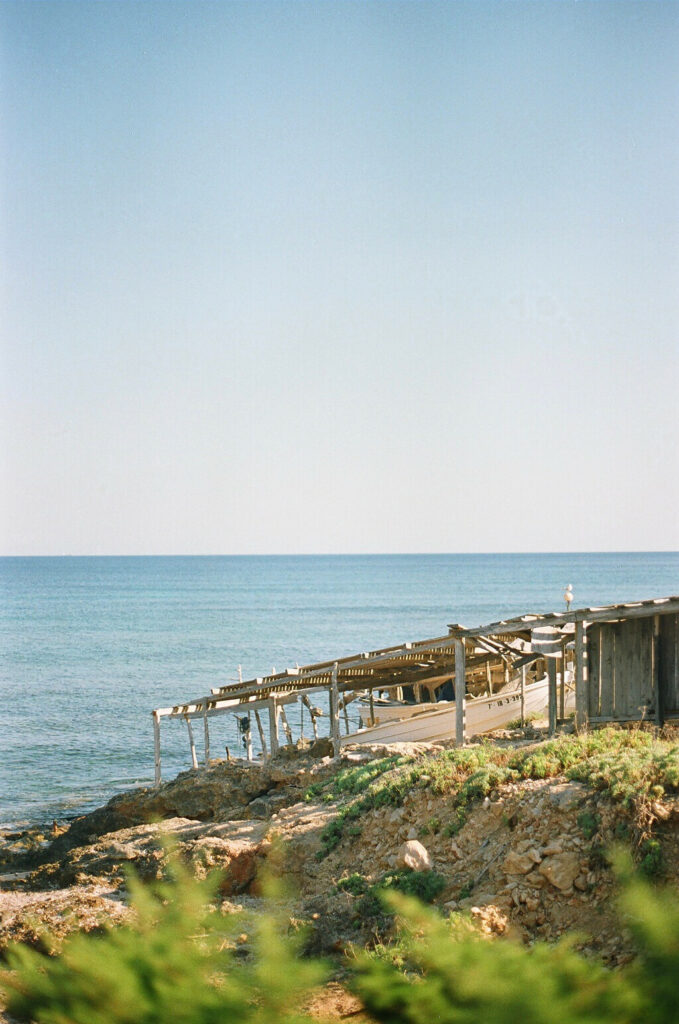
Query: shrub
x=178 y=963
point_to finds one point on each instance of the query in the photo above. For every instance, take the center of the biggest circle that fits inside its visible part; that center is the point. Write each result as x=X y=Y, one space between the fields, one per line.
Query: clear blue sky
x=328 y=277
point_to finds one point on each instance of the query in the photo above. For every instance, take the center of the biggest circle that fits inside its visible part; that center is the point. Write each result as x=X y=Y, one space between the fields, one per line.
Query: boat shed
x=624 y=657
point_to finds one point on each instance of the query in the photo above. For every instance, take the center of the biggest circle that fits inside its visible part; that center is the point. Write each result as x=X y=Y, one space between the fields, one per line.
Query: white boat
x=430 y=722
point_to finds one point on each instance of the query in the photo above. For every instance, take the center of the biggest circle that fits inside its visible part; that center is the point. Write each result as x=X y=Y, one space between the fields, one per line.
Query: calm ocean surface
x=88 y=646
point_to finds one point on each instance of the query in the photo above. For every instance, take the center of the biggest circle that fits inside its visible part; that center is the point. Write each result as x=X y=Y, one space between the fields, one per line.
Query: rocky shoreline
x=526 y=861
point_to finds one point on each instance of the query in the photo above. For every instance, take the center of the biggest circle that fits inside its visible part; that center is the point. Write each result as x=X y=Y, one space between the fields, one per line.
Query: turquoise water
x=88 y=646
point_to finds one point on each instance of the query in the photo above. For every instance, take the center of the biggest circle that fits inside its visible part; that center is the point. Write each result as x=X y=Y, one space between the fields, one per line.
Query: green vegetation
x=630 y=765
x=589 y=824
x=179 y=962
x=355 y=884
x=182 y=962
x=651 y=863
x=440 y=971
x=424 y=886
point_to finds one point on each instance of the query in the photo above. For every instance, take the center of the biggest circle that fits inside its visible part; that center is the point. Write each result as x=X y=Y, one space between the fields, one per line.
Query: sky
x=298 y=277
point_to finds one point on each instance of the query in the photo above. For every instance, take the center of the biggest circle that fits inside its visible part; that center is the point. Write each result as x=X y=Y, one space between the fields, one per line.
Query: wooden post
x=551 y=677
x=273 y=725
x=346 y=714
x=523 y=695
x=286 y=727
x=192 y=743
x=258 y=720
x=156 y=747
x=562 y=695
x=489 y=676
x=657 y=674
x=460 y=687
x=307 y=704
x=580 y=678
x=372 y=706
x=206 y=733
x=334 y=711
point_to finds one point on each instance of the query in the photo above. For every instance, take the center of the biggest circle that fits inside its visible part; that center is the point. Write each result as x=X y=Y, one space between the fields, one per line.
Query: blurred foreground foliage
x=181 y=961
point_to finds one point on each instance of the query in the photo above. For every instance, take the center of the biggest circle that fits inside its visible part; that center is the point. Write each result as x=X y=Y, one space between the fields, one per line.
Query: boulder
x=517 y=863
x=561 y=870
x=415 y=856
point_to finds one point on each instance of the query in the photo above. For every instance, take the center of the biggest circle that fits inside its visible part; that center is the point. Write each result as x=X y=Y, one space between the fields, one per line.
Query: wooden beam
x=156 y=747
x=609 y=613
x=581 y=704
x=460 y=688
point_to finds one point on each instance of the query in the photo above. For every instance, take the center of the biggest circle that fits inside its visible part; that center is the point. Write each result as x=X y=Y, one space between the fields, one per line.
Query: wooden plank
x=562 y=692
x=635 y=702
x=593 y=670
x=460 y=693
x=657 y=689
x=669 y=664
x=156 y=747
x=621 y=671
x=607 y=670
x=580 y=678
x=646 y=679
x=551 y=676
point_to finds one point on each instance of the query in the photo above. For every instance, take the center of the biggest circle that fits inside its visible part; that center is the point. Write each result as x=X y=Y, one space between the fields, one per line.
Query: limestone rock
x=561 y=870
x=517 y=863
x=415 y=856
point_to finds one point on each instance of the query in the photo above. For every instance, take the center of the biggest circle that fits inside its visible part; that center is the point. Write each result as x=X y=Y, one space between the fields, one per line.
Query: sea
x=90 y=645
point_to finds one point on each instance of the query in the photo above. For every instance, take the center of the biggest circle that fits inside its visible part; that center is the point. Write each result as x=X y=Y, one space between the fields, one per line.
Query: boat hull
x=428 y=723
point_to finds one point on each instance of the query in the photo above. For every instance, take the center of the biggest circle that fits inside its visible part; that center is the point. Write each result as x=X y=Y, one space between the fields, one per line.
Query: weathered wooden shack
x=624 y=658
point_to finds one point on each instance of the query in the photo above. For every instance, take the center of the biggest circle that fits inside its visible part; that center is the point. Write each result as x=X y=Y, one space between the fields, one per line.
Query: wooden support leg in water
x=258 y=720
x=460 y=688
x=192 y=743
x=334 y=711
x=156 y=747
